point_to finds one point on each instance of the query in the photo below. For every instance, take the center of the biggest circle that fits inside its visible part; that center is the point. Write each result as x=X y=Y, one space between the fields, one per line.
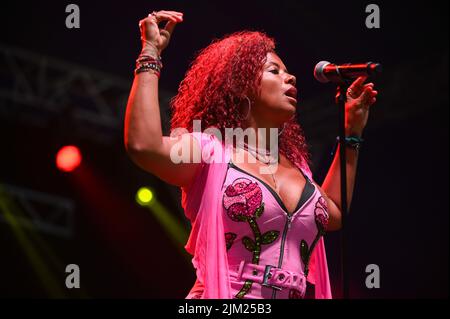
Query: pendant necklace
x=264 y=156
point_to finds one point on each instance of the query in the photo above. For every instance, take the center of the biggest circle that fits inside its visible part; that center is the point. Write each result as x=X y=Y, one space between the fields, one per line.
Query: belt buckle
x=266 y=278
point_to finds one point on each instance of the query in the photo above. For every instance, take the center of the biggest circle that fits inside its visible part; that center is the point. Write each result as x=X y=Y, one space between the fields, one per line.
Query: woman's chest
x=249 y=201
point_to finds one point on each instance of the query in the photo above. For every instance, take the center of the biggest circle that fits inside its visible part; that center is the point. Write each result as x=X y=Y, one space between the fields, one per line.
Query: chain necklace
x=265 y=157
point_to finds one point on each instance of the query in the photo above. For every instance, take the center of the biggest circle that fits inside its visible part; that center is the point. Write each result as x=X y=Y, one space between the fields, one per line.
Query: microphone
x=325 y=71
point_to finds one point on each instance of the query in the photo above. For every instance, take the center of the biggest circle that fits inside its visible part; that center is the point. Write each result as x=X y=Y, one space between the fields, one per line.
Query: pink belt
x=269 y=276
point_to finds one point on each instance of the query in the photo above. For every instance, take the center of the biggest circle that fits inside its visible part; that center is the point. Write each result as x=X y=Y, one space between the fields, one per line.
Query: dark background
x=399 y=216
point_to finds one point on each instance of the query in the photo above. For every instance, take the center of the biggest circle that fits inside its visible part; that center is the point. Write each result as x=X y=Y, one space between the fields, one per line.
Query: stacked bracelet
x=146 y=63
x=353 y=142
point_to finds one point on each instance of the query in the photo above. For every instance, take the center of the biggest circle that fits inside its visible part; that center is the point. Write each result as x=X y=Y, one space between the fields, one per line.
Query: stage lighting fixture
x=68 y=158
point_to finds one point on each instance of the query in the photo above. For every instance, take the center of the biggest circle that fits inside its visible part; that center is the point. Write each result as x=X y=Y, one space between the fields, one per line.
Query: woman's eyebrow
x=277 y=65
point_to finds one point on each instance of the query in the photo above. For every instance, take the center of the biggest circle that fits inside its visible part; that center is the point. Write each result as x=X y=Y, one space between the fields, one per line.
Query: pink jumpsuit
x=244 y=241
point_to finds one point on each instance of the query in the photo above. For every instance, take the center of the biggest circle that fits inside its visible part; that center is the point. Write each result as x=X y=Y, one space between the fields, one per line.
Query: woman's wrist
x=149 y=60
x=353 y=132
x=150 y=49
x=351 y=142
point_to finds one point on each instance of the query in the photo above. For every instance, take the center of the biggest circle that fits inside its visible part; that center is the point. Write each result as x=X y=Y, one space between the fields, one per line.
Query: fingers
x=368 y=97
x=359 y=81
x=158 y=16
x=154 y=18
x=356 y=88
x=170 y=26
x=372 y=92
x=174 y=13
x=168 y=15
x=154 y=35
x=175 y=17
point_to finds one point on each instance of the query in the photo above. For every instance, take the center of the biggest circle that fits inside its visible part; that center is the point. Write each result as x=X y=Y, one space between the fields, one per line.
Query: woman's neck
x=265 y=137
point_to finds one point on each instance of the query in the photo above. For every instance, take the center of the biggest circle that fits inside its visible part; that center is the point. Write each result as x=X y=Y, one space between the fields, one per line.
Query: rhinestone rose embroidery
x=321 y=214
x=242 y=200
x=321 y=218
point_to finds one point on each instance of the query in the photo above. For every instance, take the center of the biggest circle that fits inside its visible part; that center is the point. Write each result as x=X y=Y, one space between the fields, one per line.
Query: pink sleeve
x=202 y=206
x=206 y=143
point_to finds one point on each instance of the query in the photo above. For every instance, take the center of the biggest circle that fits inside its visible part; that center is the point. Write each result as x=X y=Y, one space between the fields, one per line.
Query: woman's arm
x=359 y=98
x=332 y=186
x=143 y=138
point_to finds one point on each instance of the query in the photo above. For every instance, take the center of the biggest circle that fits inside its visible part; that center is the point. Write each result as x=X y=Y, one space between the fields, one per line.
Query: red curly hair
x=218 y=80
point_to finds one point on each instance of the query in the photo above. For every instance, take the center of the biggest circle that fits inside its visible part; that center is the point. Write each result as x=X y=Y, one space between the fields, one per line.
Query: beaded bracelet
x=146 y=68
x=354 y=142
x=145 y=63
x=147 y=58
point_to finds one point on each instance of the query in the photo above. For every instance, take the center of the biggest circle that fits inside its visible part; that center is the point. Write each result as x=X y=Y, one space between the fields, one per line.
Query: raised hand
x=360 y=97
x=155 y=40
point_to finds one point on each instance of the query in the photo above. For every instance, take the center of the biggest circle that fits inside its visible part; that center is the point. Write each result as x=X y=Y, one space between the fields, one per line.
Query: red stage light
x=68 y=158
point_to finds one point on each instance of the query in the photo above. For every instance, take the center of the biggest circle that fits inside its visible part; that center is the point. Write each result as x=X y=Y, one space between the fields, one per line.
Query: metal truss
x=41 y=90
x=41 y=211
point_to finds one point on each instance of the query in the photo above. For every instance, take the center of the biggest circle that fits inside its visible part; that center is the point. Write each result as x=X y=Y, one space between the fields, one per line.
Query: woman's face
x=277 y=98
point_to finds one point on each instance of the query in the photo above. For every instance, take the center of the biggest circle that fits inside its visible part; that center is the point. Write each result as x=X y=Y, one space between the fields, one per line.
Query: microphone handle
x=350 y=71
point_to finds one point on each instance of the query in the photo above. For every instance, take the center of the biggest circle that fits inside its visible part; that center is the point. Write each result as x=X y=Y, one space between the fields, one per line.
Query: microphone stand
x=341 y=99
x=337 y=75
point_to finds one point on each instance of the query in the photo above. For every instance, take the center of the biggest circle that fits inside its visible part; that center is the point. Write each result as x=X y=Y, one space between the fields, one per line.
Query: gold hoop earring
x=249 y=108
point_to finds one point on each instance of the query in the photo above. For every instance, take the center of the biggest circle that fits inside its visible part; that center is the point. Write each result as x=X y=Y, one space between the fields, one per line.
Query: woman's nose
x=290 y=79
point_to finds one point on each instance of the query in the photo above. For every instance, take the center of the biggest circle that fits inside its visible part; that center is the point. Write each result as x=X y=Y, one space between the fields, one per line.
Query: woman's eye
x=274 y=71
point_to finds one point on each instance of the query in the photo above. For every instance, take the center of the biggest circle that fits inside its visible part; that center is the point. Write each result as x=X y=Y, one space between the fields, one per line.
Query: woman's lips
x=292 y=99
x=291 y=94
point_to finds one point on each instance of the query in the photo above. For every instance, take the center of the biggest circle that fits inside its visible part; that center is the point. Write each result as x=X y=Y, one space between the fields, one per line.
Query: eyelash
x=274 y=71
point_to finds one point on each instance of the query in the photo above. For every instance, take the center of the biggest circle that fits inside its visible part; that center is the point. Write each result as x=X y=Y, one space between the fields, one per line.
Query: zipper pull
x=289 y=217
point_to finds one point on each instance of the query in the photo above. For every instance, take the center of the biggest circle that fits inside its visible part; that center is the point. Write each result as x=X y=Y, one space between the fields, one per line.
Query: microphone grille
x=318 y=72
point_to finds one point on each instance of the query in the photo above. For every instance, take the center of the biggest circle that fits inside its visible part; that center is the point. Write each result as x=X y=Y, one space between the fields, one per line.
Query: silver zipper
x=283 y=240
x=287 y=226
